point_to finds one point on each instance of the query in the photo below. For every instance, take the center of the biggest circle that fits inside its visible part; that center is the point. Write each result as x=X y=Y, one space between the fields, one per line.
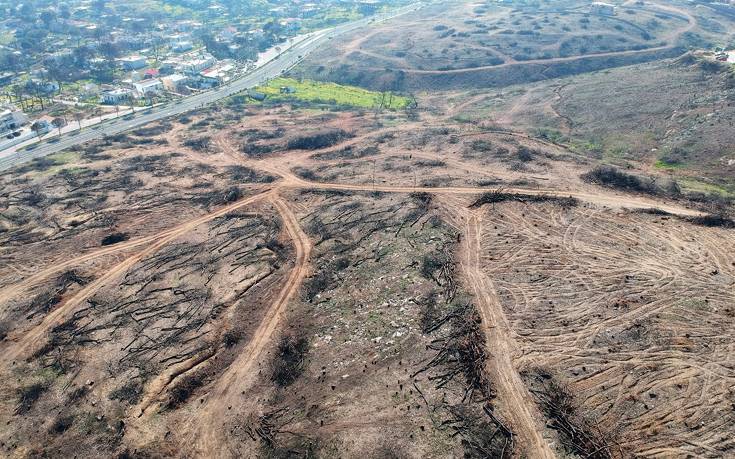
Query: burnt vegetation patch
x=457 y=371
x=578 y=435
x=499 y=195
x=290 y=359
x=460 y=392
x=47 y=299
x=318 y=140
x=114 y=238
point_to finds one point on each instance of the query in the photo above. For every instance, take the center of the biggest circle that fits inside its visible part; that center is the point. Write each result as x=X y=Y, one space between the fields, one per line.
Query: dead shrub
x=28 y=395
x=578 y=435
x=290 y=360
x=114 y=238
x=200 y=144
x=181 y=392
x=61 y=424
x=130 y=392
x=318 y=140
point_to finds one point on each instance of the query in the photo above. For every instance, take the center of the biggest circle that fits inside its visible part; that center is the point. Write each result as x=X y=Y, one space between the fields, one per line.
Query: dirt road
x=242 y=373
x=516 y=404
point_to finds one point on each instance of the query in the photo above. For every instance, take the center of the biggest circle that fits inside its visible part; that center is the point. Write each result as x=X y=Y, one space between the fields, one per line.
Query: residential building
x=133 y=62
x=148 y=86
x=195 y=65
x=175 y=82
x=216 y=75
x=605 y=9
x=11 y=119
x=116 y=96
x=182 y=46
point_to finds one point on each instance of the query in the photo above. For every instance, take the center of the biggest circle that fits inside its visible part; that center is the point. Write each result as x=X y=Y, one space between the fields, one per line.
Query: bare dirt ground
x=294 y=282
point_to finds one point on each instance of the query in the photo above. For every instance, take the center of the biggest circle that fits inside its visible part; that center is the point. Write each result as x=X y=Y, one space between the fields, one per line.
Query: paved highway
x=274 y=68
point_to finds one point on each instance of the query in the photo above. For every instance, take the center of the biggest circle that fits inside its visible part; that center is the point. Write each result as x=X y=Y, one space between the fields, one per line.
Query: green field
x=332 y=93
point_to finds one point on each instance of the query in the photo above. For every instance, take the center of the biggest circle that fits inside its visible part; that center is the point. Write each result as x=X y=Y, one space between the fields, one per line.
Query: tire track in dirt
x=34 y=337
x=291 y=180
x=516 y=404
x=521 y=411
x=13 y=289
x=242 y=372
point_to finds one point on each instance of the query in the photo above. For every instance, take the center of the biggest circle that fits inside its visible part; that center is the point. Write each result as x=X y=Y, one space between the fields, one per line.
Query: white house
x=133 y=62
x=197 y=64
x=116 y=96
x=174 y=82
x=144 y=87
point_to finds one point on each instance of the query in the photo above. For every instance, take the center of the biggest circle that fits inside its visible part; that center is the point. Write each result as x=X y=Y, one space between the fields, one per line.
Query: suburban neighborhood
x=75 y=63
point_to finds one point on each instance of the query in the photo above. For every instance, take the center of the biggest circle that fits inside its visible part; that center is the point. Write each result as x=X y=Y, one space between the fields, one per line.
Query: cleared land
x=327 y=274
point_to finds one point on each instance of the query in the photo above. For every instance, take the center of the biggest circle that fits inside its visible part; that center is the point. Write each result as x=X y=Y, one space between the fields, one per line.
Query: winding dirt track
x=675 y=35
x=241 y=374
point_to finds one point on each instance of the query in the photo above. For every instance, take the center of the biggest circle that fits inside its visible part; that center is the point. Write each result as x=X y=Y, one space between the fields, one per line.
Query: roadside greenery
x=331 y=93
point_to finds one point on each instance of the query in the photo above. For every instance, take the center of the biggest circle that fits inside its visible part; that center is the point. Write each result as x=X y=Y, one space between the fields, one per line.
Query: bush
x=232 y=194
x=492 y=197
x=713 y=220
x=348 y=153
x=674 y=156
x=612 y=177
x=114 y=238
x=256 y=150
x=245 y=174
x=431 y=163
x=200 y=144
x=28 y=395
x=290 y=360
x=318 y=141
x=481 y=145
x=525 y=154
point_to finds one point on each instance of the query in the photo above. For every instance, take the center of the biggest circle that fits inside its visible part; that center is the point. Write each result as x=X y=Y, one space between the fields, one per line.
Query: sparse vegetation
x=318 y=140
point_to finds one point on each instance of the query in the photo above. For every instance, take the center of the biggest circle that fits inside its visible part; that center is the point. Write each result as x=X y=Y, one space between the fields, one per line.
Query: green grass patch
x=62 y=160
x=698 y=186
x=65 y=157
x=333 y=94
x=663 y=164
